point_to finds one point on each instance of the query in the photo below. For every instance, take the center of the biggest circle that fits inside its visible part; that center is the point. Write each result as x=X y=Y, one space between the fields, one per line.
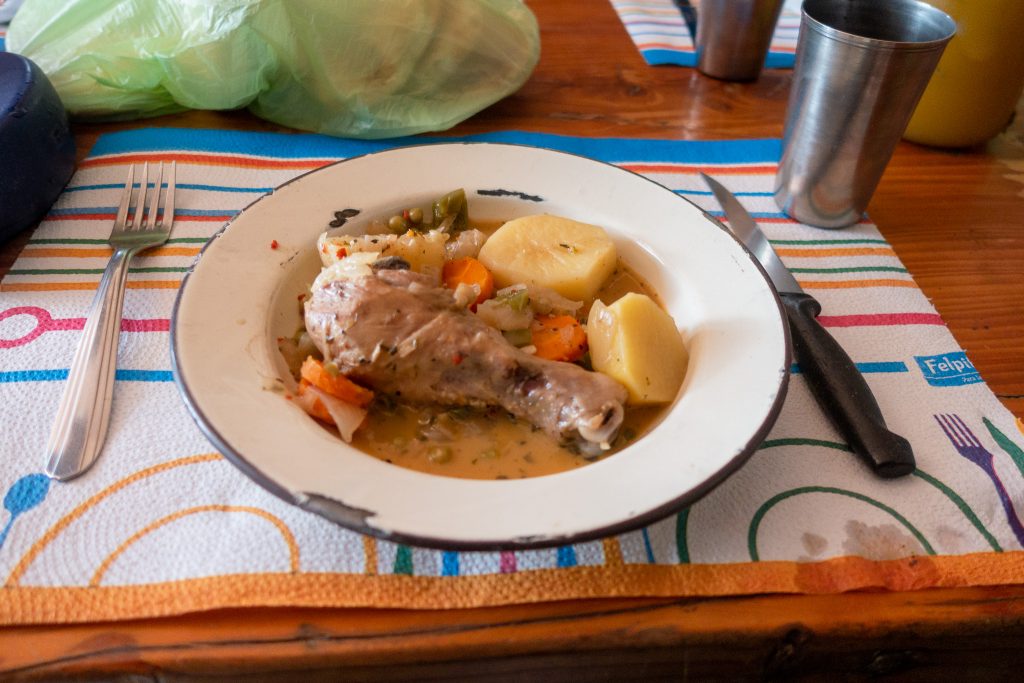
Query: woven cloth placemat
x=662 y=35
x=163 y=524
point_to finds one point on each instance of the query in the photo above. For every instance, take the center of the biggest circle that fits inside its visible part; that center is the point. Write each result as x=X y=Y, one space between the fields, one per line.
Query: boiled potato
x=570 y=257
x=635 y=342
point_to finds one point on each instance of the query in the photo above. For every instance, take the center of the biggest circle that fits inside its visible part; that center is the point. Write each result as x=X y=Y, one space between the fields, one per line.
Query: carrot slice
x=336 y=385
x=558 y=337
x=469 y=271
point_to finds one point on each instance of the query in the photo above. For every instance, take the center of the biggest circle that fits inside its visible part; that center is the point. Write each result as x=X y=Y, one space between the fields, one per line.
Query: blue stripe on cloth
x=77 y=211
x=566 y=556
x=180 y=186
x=449 y=563
x=755 y=214
x=660 y=56
x=308 y=145
x=708 y=193
x=648 y=550
x=867 y=368
x=60 y=374
x=779 y=60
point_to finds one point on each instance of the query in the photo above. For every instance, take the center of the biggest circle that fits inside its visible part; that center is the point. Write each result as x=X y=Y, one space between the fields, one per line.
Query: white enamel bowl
x=241 y=296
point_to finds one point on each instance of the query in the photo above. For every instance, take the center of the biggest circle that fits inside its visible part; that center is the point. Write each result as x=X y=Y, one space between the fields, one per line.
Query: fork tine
x=168 y=219
x=153 y=207
x=955 y=429
x=140 y=201
x=942 y=420
x=126 y=198
x=965 y=431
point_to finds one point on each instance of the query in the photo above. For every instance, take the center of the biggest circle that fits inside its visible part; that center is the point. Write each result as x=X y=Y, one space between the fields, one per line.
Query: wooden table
x=955 y=218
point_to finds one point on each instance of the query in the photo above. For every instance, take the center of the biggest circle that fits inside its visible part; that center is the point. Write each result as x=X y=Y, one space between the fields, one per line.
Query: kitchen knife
x=833 y=378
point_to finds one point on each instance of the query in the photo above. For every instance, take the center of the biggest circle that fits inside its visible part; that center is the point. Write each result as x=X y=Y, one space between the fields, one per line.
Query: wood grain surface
x=955 y=218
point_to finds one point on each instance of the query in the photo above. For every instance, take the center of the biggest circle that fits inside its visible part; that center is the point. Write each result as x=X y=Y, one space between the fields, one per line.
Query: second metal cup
x=861 y=66
x=733 y=37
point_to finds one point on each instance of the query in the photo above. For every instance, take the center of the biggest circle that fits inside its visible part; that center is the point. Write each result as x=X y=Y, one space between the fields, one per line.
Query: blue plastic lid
x=37 y=150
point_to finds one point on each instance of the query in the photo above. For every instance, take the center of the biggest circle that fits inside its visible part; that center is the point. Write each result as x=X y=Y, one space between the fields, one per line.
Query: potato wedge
x=636 y=342
x=570 y=257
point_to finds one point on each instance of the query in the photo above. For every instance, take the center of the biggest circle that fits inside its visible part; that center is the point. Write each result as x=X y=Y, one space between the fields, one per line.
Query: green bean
x=451 y=211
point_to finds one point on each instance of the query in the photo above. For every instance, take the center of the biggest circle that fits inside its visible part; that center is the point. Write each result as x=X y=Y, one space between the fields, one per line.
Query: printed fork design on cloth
x=83 y=414
x=969 y=446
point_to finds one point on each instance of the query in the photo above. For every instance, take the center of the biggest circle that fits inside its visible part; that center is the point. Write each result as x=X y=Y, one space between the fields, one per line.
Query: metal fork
x=970 y=447
x=84 y=411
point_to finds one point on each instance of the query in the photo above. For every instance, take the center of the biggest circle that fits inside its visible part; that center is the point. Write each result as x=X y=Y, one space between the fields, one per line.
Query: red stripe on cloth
x=880 y=319
x=206 y=159
x=684 y=168
x=146 y=325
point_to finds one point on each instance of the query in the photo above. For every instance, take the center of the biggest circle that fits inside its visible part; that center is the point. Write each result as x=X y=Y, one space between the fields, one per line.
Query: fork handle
x=84 y=411
x=1004 y=497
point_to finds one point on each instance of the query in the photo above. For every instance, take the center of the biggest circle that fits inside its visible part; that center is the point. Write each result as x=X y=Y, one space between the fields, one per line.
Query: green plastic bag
x=352 y=68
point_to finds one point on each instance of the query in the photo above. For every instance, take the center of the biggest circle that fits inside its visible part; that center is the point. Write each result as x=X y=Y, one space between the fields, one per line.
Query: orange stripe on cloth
x=52 y=605
x=664 y=46
x=67 y=286
x=648 y=10
x=856 y=284
x=206 y=160
x=838 y=251
x=612 y=552
x=67 y=519
x=286 y=534
x=370 y=555
x=103 y=252
x=692 y=168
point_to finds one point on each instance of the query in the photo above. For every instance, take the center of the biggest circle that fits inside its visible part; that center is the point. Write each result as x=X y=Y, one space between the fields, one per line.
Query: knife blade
x=837 y=385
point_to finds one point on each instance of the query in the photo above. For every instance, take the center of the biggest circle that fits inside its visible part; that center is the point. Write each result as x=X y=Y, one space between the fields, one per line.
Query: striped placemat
x=163 y=524
x=662 y=35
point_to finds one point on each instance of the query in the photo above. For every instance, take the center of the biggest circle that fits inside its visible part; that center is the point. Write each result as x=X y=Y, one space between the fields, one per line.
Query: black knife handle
x=842 y=392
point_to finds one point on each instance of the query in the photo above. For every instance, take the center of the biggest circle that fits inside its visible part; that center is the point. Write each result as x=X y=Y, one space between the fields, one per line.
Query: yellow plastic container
x=976 y=86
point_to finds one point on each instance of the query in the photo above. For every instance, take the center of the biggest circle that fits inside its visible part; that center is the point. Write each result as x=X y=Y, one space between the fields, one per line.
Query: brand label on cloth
x=948 y=369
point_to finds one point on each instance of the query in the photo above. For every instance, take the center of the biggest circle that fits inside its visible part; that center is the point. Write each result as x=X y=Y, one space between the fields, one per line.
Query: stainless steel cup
x=861 y=66
x=733 y=37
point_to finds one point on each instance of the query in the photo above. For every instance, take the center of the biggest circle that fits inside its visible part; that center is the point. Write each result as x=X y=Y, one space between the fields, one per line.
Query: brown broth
x=478 y=444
